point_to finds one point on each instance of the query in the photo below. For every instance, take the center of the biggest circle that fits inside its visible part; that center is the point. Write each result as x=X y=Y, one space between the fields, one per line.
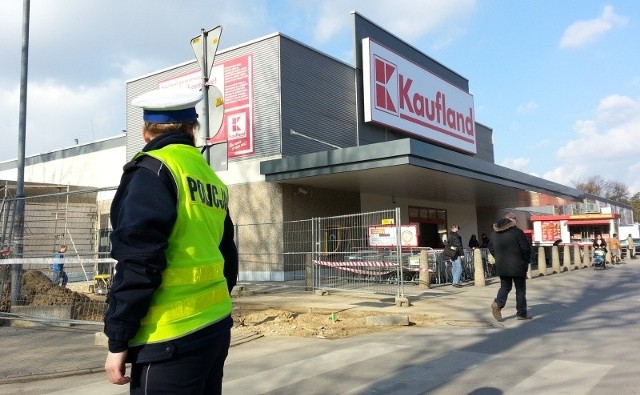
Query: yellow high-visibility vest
x=193 y=293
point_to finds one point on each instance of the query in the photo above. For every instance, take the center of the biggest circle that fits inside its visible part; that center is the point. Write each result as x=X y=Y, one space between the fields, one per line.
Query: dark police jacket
x=143 y=213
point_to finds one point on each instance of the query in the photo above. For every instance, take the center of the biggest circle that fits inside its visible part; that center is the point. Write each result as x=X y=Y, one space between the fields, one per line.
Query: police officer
x=169 y=311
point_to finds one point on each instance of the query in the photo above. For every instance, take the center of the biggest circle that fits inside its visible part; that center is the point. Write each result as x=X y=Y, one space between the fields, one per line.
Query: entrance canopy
x=588 y=222
x=413 y=169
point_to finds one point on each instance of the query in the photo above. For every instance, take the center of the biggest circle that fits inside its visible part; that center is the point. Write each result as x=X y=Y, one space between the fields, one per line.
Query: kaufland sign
x=405 y=96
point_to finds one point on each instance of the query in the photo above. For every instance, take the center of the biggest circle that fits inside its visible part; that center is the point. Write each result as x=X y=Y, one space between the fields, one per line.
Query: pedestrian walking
x=614 y=248
x=512 y=252
x=631 y=247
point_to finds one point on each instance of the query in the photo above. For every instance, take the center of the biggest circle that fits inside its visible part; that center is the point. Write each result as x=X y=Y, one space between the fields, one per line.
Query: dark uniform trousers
x=198 y=371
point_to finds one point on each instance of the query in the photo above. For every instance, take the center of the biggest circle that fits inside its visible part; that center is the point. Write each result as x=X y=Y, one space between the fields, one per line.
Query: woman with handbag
x=454 y=241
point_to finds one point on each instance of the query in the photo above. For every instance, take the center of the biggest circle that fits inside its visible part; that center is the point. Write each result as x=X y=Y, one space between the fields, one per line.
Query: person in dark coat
x=600 y=243
x=456 y=240
x=512 y=252
x=484 y=241
x=473 y=242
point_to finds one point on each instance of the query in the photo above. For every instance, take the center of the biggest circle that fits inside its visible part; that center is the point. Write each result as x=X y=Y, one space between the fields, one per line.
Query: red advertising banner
x=237 y=126
x=550 y=230
x=234 y=78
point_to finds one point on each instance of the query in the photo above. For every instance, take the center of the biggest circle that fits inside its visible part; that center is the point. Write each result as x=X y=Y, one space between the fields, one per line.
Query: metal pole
x=16 y=270
x=400 y=290
x=205 y=96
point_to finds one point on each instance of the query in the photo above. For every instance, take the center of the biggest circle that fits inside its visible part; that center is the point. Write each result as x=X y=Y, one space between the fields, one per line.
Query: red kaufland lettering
x=434 y=109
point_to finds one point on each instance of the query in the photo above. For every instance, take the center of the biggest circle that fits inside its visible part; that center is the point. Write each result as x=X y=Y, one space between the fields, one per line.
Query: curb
x=28 y=377
x=45 y=376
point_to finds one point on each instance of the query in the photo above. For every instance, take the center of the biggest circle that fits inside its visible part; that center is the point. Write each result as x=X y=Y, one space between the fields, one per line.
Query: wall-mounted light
x=302 y=191
x=294 y=133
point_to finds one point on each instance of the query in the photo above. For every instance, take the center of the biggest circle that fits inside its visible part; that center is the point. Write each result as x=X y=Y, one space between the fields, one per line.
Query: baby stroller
x=599 y=259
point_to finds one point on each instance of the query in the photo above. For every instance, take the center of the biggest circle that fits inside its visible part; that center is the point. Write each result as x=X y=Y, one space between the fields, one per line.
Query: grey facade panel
x=266 y=95
x=318 y=100
x=484 y=143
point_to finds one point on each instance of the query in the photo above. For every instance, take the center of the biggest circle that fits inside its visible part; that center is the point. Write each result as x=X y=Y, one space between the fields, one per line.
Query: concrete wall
x=256 y=209
x=41 y=315
x=306 y=202
x=273 y=219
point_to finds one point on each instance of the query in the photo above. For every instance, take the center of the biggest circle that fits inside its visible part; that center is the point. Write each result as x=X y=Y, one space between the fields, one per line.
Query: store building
x=305 y=135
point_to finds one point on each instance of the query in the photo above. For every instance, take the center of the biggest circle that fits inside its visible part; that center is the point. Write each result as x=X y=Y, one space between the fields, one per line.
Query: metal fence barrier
x=330 y=253
x=54 y=215
x=345 y=258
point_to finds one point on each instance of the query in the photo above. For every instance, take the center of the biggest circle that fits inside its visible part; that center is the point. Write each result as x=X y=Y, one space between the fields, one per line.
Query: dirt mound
x=39 y=290
x=321 y=323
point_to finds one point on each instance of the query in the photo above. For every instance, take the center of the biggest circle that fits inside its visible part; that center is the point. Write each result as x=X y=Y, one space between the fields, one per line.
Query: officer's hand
x=115 y=369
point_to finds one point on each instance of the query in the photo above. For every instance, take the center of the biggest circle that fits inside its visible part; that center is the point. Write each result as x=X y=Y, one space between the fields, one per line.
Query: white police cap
x=169 y=105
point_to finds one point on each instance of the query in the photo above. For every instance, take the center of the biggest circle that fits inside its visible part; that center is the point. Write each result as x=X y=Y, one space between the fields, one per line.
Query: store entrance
x=429 y=236
x=586 y=233
x=432 y=225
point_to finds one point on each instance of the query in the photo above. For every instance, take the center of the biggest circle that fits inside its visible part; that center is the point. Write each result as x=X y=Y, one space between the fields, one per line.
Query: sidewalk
x=47 y=352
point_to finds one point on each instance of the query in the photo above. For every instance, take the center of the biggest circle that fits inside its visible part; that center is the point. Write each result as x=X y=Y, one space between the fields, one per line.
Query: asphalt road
x=584 y=339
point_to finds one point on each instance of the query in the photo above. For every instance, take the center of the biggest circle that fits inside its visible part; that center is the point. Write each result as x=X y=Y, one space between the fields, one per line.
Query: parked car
x=623 y=247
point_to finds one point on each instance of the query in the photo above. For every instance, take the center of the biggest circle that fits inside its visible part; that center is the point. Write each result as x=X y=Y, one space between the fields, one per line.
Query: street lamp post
x=16 y=270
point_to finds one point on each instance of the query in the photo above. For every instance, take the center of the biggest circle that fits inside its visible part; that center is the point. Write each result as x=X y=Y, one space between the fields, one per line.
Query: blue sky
x=557 y=81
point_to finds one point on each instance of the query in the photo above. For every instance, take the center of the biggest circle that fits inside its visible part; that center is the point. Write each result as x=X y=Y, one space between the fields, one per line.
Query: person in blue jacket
x=455 y=240
x=169 y=309
x=57 y=268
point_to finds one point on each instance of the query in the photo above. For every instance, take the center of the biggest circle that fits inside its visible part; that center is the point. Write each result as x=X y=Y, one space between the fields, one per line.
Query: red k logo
x=386 y=79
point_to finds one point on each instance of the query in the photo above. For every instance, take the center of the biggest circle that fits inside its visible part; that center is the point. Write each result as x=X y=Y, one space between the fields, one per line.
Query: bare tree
x=596 y=185
x=617 y=191
x=635 y=203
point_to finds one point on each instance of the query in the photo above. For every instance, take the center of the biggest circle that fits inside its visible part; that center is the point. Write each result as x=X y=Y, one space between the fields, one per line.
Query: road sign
x=216 y=110
x=205 y=54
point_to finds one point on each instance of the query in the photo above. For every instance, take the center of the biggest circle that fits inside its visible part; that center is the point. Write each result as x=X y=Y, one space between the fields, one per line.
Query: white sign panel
x=385 y=236
x=400 y=94
x=197 y=43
